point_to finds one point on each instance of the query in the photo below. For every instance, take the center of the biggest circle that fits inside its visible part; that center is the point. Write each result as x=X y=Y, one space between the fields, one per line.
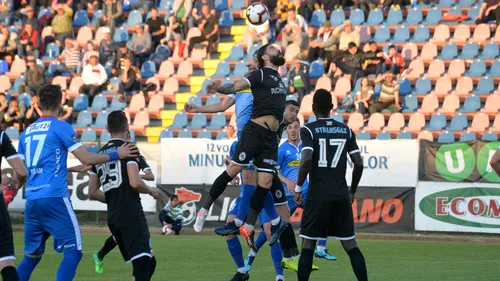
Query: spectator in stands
x=29 y=42
x=34 y=112
x=55 y=3
x=230 y=132
x=298 y=80
x=489 y=11
x=324 y=46
x=8 y=44
x=393 y=62
x=351 y=62
x=106 y=47
x=30 y=18
x=373 y=60
x=295 y=29
x=259 y=33
x=93 y=76
x=347 y=34
x=197 y=14
x=66 y=112
x=156 y=27
x=209 y=30
x=389 y=94
x=91 y=51
x=88 y=5
x=121 y=53
x=174 y=31
x=128 y=77
x=141 y=44
x=364 y=97
x=62 y=24
x=367 y=6
x=5 y=11
x=3 y=105
x=34 y=77
x=70 y=60
x=112 y=14
x=182 y=10
x=335 y=4
x=15 y=115
x=396 y=4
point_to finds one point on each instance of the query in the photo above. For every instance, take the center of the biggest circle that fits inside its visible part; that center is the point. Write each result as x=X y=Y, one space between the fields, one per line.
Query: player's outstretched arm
x=495 y=162
x=227 y=89
x=357 y=171
x=137 y=183
x=94 y=189
x=212 y=108
x=127 y=150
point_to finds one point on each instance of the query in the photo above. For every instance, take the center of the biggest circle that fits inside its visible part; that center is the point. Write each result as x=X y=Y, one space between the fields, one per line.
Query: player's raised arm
x=14 y=159
x=221 y=106
x=227 y=89
x=357 y=161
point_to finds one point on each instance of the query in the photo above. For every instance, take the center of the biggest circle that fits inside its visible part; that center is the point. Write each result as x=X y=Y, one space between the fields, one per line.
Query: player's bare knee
x=265 y=180
x=349 y=244
x=249 y=177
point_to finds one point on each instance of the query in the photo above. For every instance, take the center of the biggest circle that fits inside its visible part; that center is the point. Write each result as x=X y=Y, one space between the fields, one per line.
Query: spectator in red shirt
x=393 y=63
x=29 y=41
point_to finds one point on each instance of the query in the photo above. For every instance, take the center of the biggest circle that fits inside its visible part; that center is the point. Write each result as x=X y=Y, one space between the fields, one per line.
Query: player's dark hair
x=117 y=122
x=294 y=121
x=173 y=197
x=292 y=102
x=50 y=97
x=322 y=102
x=260 y=53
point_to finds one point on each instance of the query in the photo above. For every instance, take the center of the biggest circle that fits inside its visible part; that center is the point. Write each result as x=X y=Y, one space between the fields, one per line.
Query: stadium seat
x=141 y=120
x=4 y=83
x=422 y=87
x=425 y=135
x=113 y=82
x=436 y=69
x=410 y=103
x=490 y=136
x=471 y=104
x=199 y=121
x=458 y=123
x=404 y=135
x=221 y=5
x=251 y=51
x=443 y=86
x=105 y=137
x=414 y=16
x=449 y=52
x=203 y=90
x=317 y=69
x=83 y=120
x=495 y=69
x=356 y=121
x=138 y=102
x=401 y=35
x=97 y=14
x=306 y=105
x=51 y=51
x=26 y=98
x=4 y=67
x=363 y=136
x=343 y=86
x=446 y=3
x=116 y=104
x=433 y=16
x=217 y=122
x=213 y=99
x=337 y=18
x=58 y=80
x=446 y=137
x=451 y=104
x=429 y=52
x=204 y=134
x=100 y=102
x=437 y=122
x=84 y=35
x=318 y=18
x=421 y=34
x=172 y=85
x=461 y=34
x=148 y=69
x=430 y=104
x=395 y=17
x=165 y=134
x=472 y=14
x=101 y=120
x=19 y=80
x=221 y=135
x=291 y=52
x=477 y=68
x=469 y=51
x=490 y=51
x=492 y=104
x=485 y=86
x=376 y=122
x=382 y=35
x=468 y=136
x=396 y=122
x=81 y=102
x=185 y=69
x=357 y=17
x=134 y=18
x=416 y=123
x=375 y=17
x=338 y=117
x=465 y=3
x=238 y=5
x=185 y=134
x=454 y=11
x=13 y=133
x=496 y=125
x=196 y=100
x=456 y=69
x=409 y=51
x=383 y=136
x=81 y=18
x=417 y=68
x=120 y=35
x=324 y=82
x=482 y=33
x=226 y=19
x=88 y=135
x=237 y=53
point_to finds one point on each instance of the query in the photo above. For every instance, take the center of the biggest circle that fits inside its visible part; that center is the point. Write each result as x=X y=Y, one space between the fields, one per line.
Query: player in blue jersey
x=44 y=147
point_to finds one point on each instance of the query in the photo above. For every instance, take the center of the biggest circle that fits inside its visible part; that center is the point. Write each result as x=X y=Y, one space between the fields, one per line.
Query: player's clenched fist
x=128 y=150
x=191 y=108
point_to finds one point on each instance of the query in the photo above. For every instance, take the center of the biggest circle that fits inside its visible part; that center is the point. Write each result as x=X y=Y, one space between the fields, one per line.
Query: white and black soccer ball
x=257 y=13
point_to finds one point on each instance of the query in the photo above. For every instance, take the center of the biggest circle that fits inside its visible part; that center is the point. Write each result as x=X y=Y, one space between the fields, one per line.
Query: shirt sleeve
x=255 y=78
x=133 y=161
x=352 y=145
x=20 y=148
x=306 y=136
x=68 y=137
x=8 y=150
x=143 y=165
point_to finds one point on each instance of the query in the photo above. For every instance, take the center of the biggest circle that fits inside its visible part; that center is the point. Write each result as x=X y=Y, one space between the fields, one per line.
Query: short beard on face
x=277 y=60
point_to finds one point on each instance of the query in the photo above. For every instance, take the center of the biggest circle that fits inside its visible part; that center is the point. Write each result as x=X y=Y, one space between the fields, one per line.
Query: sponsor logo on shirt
x=38 y=127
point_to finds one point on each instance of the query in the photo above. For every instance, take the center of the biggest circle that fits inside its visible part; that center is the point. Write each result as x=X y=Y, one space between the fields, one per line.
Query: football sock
x=234 y=247
x=261 y=240
x=152 y=267
x=321 y=245
x=287 y=240
x=9 y=274
x=305 y=264
x=26 y=267
x=109 y=245
x=256 y=205
x=217 y=189
x=67 y=268
x=247 y=192
x=141 y=268
x=358 y=264
x=277 y=256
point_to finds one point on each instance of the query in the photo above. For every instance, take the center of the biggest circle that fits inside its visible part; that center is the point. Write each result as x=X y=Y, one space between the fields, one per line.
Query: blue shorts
x=263 y=217
x=291 y=203
x=51 y=216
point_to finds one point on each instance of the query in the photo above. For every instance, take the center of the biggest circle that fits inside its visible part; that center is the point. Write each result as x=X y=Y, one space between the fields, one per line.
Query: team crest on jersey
x=278 y=194
x=329 y=123
x=188 y=199
x=242 y=156
x=74 y=137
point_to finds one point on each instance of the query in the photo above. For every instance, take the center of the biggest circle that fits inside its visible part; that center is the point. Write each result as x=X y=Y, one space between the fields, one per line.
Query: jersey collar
x=113 y=139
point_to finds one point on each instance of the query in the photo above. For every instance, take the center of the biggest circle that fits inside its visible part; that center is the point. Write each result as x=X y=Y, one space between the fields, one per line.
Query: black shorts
x=327 y=220
x=132 y=238
x=7 y=241
x=258 y=144
x=278 y=191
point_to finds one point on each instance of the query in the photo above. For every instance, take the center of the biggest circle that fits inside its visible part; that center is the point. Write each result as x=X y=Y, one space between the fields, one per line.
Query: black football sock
x=305 y=264
x=256 y=204
x=217 y=189
x=358 y=264
x=109 y=245
x=9 y=273
x=152 y=267
x=141 y=268
x=287 y=240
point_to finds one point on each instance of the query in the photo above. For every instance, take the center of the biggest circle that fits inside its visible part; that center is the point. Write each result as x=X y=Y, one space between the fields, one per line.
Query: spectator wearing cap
x=258 y=33
x=182 y=10
x=121 y=53
x=197 y=14
x=174 y=31
x=62 y=24
x=89 y=52
x=8 y=43
x=5 y=11
x=112 y=14
x=295 y=29
x=324 y=46
x=34 y=77
x=347 y=34
x=141 y=44
x=156 y=27
x=209 y=30
x=93 y=76
x=393 y=62
x=70 y=60
x=28 y=16
x=106 y=46
x=351 y=62
x=29 y=42
x=389 y=94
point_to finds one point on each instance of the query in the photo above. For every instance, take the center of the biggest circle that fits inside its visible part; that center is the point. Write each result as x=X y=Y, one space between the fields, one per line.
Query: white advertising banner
x=462 y=207
x=78 y=185
x=200 y=161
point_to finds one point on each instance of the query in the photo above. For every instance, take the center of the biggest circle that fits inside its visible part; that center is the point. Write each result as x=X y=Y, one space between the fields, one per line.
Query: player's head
x=268 y=55
x=118 y=124
x=174 y=200
x=292 y=130
x=291 y=111
x=322 y=103
x=50 y=98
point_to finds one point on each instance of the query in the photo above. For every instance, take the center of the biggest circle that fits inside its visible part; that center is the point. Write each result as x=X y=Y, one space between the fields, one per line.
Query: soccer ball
x=166 y=230
x=257 y=13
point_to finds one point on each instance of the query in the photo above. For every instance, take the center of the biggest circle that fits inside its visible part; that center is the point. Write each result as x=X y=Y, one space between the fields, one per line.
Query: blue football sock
x=67 y=268
x=277 y=256
x=261 y=240
x=236 y=251
x=270 y=208
x=26 y=267
x=322 y=243
x=245 y=201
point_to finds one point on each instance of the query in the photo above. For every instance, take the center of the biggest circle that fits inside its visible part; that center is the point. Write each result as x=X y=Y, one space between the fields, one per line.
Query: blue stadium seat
x=337 y=17
x=100 y=102
x=203 y=90
x=465 y=3
x=226 y=19
x=458 y=123
x=382 y=35
x=495 y=69
x=114 y=82
x=422 y=87
x=223 y=70
x=446 y=3
x=383 y=136
x=185 y=134
x=101 y=120
x=105 y=137
x=401 y=35
x=237 y=53
x=471 y=104
x=375 y=17
x=485 y=86
x=51 y=51
x=221 y=5
x=251 y=51
x=84 y=119
x=404 y=136
x=468 y=136
x=356 y=86
x=148 y=69
x=213 y=99
x=433 y=16
x=180 y=121
x=26 y=98
x=454 y=11
x=421 y=34
x=81 y=18
x=134 y=18
x=4 y=67
x=92 y=148
x=414 y=16
x=239 y=70
x=13 y=133
x=97 y=14
x=196 y=100
x=318 y=18
x=88 y=135
x=476 y=69
x=164 y=5
x=449 y=52
x=120 y=35
x=410 y=103
x=490 y=136
x=221 y=135
x=15 y=87
x=166 y=134
x=337 y=117
x=317 y=69
x=312 y=118
x=217 y=122
x=437 y=123
x=472 y=14
x=357 y=17
x=107 y=67
x=238 y=5
x=81 y=102
x=446 y=137
x=490 y=51
x=404 y=86
x=116 y=104
x=395 y=17
x=204 y=134
x=469 y=51
x=363 y=135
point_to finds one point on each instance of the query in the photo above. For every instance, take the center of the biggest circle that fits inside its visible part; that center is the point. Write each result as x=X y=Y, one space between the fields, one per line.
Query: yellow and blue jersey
x=289 y=162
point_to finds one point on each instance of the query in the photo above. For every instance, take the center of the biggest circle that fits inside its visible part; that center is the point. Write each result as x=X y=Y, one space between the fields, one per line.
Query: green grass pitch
x=205 y=258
